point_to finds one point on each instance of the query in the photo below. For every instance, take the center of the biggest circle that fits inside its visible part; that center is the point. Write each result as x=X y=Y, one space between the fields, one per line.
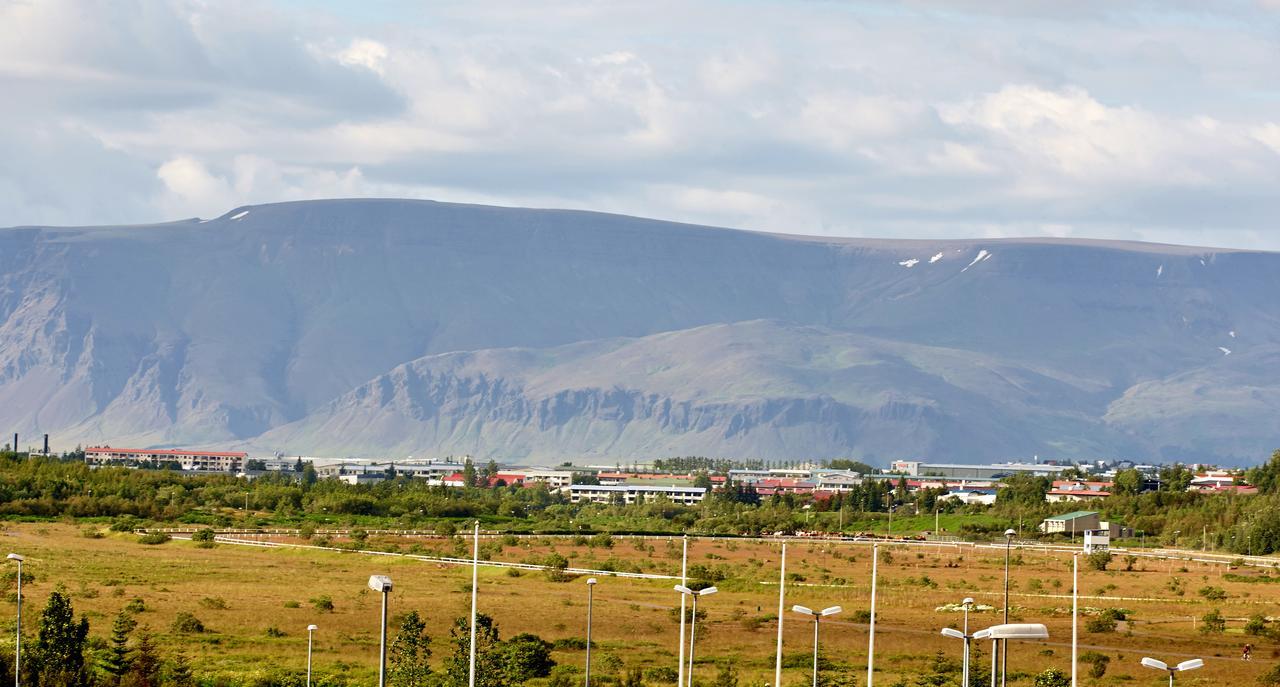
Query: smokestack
x=46 y=444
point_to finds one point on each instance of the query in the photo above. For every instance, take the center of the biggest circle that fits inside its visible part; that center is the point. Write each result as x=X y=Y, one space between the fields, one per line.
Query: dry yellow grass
x=633 y=617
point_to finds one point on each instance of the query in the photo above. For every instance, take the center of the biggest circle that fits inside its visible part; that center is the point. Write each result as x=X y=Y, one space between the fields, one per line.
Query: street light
x=17 y=645
x=817 y=616
x=1161 y=665
x=310 y=630
x=958 y=634
x=1001 y=634
x=1008 y=543
x=693 y=624
x=591 y=585
x=382 y=583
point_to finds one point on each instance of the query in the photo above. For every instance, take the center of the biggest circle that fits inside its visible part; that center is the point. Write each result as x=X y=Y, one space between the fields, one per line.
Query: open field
x=634 y=622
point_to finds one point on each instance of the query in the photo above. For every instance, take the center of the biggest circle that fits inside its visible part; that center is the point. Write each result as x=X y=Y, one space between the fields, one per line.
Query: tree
x=144 y=664
x=408 y=660
x=853 y=466
x=60 y=643
x=469 y=477
x=1127 y=482
x=524 y=657
x=489 y=672
x=1098 y=560
x=116 y=661
x=1175 y=478
x=179 y=672
x=727 y=677
x=1266 y=477
x=309 y=476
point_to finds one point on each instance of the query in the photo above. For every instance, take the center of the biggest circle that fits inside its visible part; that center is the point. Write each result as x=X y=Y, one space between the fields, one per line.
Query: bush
x=1213 y=593
x=203 y=538
x=1097 y=663
x=1256 y=626
x=324 y=604
x=215 y=603
x=292 y=604
x=274 y=631
x=1213 y=623
x=1052 y=678
x=137 y=605
x=1271 y=678
x=1100 y=624
x=153 y=538
x=186 y=624
x=92 y=532
x=1098 y=560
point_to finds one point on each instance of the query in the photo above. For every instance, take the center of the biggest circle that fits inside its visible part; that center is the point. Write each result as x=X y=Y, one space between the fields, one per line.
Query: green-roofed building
x=1074 y=522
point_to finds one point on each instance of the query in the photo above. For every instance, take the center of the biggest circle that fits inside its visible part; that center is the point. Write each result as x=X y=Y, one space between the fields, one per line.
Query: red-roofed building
x=507 y=478
x=1064 y=490
x=198 y=461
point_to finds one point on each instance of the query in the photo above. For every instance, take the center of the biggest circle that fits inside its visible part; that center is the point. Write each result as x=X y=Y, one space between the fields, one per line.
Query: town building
x=919 y=469
x=1072 y=523
x=195 y=461
x=1065 y=490
x=631 y=493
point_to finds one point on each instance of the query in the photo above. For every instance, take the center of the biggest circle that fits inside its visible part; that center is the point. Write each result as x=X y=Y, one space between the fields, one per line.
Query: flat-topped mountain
x=368 y=326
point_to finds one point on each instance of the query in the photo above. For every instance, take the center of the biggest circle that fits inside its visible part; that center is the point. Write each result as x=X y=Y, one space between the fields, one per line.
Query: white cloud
x=864 y=118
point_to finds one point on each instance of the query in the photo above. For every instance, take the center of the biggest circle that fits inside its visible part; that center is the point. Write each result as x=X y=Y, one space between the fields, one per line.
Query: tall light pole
x=475 y=580
x=382 y=583
x=693 y=624
x=310 y=635
x=968 y=604
x=782 y=595
x=1161 y=665
x=871 y=631
x=17 y=644
x=817 y=617
x=1008 y=544
x=684 y=579
x=591 y=585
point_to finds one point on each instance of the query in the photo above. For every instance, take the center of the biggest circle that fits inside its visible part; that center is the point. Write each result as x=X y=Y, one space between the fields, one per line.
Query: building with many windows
x=631 y=493
x=196 y=461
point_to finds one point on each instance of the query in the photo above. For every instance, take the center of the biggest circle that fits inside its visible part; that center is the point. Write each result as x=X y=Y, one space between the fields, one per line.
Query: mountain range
x=398 y=327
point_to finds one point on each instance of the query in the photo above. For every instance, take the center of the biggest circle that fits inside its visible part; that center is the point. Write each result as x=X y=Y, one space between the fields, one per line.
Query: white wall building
x=196 y=461
x=594 y=493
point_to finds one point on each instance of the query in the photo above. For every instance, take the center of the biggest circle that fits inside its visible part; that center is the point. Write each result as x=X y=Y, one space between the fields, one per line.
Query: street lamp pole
x=591 y=585
x=817 y=617
x=1191 y=664
x=1004 y=655
x=17 y=645
x=967 y=603
x=310 y=632
x=382 y=583
x=693 y=623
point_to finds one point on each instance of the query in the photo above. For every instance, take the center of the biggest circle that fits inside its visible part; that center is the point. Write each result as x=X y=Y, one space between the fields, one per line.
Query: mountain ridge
x=226 y=330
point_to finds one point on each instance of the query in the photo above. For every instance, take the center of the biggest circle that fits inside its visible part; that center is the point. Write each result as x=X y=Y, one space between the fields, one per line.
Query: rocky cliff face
x=366 y=326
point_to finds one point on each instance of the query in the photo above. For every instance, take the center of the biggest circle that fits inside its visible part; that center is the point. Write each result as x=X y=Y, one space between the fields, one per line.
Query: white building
x=196 y=461
x=599 y=493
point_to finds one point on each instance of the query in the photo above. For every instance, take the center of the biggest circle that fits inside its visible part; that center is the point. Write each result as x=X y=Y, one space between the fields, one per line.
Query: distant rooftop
x=1073 y=515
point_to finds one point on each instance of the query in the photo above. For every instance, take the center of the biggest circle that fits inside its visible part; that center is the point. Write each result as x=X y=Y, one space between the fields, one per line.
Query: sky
x=1155 y=121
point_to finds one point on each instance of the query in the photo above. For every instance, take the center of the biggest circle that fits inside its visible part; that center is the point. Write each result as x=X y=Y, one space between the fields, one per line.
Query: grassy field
x=244 y=594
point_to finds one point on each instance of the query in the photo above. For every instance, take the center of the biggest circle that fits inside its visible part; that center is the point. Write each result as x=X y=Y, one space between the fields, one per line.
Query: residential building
x=1063 y=490
x=630 y=493
x=196 y=461
x=1073 y=523
x=918 y=469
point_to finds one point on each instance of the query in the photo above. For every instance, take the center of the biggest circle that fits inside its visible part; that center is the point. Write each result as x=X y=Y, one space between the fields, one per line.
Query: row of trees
x=64 y=655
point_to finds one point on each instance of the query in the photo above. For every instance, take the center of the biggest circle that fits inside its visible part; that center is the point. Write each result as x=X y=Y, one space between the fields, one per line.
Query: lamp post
x=1008 y=543
x=310 y=635
x=1161 y=665
x=817 y=616
x=382 y=583
x=17 y=644
x=964 y=635
x=591 y=585
x=693 y=623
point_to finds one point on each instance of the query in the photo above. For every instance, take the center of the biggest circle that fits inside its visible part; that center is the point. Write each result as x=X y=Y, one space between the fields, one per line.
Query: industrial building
x=195 y=461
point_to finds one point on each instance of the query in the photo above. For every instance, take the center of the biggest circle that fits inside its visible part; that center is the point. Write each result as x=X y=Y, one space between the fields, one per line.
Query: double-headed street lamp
x=693 y=624
x=591 y=585
x=382 y=583
x=817 y=617
x=17 y=646
x=958 y=634
x=1161 y=665
x=310 y=635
